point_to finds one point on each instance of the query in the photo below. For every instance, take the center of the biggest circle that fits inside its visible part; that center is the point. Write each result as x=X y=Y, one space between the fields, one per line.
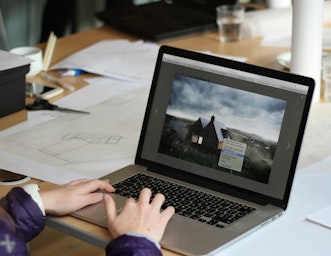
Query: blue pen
x=70 y=72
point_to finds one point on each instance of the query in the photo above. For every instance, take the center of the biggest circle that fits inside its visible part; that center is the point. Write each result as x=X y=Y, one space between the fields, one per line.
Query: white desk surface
x=291 y=234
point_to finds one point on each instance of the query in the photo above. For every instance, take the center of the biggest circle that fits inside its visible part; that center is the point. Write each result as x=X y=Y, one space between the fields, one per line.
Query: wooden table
x=249 y=48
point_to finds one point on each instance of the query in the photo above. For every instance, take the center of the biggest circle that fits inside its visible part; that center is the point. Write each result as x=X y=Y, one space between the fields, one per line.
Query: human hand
x=139 y=216
x=74 y=195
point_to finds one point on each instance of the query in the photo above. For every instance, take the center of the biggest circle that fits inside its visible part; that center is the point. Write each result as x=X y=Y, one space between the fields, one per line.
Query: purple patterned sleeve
x=25 y=214
x=127 y=245
x=10 y=243
x=21 y=220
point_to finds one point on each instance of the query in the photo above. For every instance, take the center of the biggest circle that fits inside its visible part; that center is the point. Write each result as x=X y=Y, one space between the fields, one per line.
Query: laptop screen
x=226 y=121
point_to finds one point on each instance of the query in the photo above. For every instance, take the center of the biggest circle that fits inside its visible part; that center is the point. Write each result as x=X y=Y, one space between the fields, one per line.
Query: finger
x=91 y=185
x=95 y=185
x=145 y=195
x=130 y=200
x=158 y=201
x=167 y=214
x=110 y=208
x=86 y=200
x=108 y=186
x=92 y=198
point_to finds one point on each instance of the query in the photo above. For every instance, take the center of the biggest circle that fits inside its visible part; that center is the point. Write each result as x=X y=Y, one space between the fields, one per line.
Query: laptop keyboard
x=187 y=202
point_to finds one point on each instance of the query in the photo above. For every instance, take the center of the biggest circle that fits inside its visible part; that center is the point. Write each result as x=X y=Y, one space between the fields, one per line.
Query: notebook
x=227 y=136
x=163 y=20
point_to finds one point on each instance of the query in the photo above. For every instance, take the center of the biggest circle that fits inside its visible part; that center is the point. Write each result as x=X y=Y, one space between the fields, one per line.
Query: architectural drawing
x=71 y=143
x=91 y=145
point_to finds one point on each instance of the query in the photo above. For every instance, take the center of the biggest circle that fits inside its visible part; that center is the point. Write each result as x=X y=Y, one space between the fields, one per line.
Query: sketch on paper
x=71 y=144
x=92 y=145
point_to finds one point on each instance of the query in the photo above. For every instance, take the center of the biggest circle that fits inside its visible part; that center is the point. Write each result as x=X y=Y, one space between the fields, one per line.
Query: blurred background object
x=28 y=22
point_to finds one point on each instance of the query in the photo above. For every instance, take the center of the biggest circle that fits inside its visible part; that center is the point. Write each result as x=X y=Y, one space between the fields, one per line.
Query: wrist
x=157 y=244
x=33 y=191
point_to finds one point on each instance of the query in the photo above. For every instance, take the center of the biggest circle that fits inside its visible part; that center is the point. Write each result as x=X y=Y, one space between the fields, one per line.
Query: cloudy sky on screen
x=250 y=112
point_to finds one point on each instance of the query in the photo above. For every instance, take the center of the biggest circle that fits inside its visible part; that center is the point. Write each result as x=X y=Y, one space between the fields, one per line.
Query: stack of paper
x=120 y=59
x=321 y=217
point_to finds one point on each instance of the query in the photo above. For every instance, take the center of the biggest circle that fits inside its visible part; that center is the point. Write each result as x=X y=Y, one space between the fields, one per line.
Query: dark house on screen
x=208 y=135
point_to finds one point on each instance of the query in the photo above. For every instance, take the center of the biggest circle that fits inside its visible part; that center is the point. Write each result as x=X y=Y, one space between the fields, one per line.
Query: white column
x=306 y=50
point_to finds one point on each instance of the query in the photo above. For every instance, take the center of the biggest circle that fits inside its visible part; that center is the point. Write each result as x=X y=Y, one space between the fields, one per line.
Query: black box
x=12 y=83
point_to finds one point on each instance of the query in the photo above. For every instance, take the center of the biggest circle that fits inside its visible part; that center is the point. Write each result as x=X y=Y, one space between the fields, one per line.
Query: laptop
x=164 y=19
x=221 y=140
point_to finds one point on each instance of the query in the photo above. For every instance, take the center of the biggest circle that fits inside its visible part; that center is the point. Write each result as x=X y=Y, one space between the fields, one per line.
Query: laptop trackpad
x=96 y=213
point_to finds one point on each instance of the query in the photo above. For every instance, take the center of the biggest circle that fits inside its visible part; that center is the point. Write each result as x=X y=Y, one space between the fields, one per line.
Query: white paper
x=120 y=59
x=321 y=217
x=99 y=90
x=10 y=60
x=37 y=169
x=87 y=145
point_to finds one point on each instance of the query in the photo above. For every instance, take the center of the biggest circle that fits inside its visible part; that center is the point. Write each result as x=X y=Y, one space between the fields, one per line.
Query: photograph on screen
x=223 y=128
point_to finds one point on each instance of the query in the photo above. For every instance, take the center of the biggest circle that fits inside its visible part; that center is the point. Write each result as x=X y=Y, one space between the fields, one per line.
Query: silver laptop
x=221 y=140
